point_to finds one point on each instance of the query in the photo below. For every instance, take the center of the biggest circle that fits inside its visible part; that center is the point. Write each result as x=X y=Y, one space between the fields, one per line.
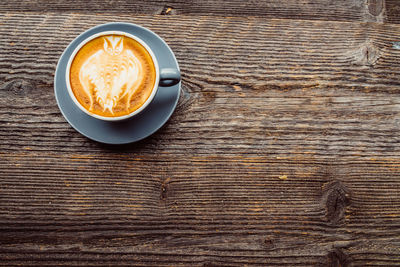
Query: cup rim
x=117 y=118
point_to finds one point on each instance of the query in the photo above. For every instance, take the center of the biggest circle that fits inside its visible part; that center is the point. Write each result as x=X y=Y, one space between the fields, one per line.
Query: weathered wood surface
x=284 y=149
x=392 y=8
x=333 y=10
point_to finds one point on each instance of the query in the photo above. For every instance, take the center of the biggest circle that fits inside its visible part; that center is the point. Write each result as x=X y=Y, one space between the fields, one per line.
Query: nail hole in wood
x=167 y=10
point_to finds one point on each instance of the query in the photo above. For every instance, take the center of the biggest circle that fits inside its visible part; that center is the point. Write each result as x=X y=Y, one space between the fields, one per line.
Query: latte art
x=112 y=75
x=113 y=72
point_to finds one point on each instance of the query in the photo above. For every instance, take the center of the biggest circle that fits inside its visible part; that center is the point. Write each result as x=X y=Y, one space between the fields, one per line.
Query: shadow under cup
x=106 y=90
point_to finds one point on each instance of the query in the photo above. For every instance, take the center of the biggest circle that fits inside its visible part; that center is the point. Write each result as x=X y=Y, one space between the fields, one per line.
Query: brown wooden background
x=284 y=149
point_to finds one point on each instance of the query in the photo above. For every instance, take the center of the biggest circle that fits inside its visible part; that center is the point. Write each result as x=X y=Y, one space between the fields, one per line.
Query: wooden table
x=284 y=149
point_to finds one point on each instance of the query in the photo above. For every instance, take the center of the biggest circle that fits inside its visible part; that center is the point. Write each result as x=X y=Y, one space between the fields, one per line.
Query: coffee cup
x=114 y=75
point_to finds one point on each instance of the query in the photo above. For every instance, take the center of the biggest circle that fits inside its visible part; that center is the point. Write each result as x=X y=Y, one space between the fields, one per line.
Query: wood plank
x=343 y=10
x=284 y=150
x=288 y=90
x=221 y=210
x=393 y=11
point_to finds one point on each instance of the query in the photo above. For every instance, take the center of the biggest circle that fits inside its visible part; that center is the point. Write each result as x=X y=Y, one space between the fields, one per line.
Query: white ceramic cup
x=164 y=77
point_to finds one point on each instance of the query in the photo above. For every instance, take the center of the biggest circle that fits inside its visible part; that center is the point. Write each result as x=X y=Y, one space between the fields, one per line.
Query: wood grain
x=284 y=150
x=393 y=11
x=326 y=89
x=335 y=10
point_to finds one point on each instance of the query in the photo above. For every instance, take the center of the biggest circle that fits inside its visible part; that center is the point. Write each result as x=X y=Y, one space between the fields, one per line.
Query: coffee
x=112 y=75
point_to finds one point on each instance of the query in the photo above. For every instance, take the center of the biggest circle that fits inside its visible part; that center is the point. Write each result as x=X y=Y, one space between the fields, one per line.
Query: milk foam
x=110 y=74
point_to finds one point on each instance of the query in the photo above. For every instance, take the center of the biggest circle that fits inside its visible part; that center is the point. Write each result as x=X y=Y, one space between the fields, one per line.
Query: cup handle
x=169 y=77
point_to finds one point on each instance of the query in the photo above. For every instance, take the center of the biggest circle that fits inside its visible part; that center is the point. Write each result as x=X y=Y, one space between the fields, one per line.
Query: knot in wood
x=337 y=258
x=375 y=7
x=164 y=189
x=18 y=87
x=367 y=55
x=268 y=243
x=186 y=99
x=336 y=198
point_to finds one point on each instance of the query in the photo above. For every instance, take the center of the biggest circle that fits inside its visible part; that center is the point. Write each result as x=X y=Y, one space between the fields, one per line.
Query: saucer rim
x=159 y=125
